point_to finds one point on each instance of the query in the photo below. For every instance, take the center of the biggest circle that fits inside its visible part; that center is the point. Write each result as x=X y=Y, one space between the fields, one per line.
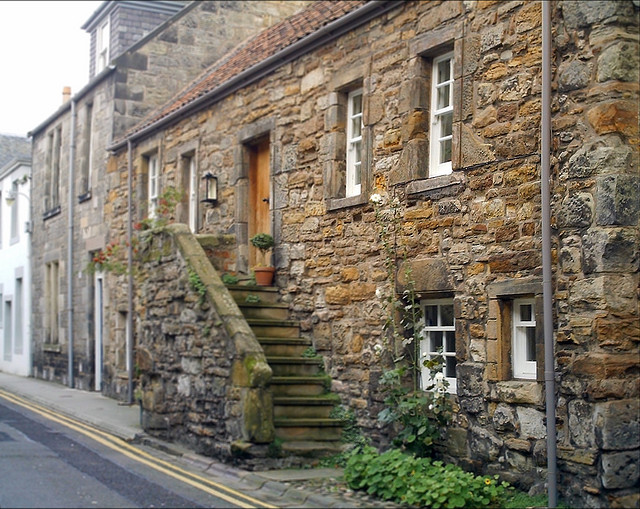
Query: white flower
x=379 y=293
x=439 y=376
x=439 y=382
x=377 y=349
x=431 y=407
x=376 y=198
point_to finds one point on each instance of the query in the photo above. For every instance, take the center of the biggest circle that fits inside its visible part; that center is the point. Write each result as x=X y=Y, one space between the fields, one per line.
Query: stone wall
x=473 y=236
x=203 y=375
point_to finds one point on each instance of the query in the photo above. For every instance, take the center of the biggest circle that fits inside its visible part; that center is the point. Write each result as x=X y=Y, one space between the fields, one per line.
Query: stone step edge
x=307 y=422
x=294 y=360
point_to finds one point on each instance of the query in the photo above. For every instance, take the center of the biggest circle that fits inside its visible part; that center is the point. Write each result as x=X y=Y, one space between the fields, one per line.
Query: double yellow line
x=126 y=449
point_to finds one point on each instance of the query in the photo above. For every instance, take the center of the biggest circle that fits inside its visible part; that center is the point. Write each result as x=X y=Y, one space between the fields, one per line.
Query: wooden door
x=259 y=195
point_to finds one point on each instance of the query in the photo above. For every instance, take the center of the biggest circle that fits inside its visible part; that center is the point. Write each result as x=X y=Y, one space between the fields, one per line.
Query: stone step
x=300 y=385
x=295 y=366
x=266 y=311
x=266 y=294
x=274 y=328
x=313 y=449
x=304 y=406
x=308 y=429
x=294 y=347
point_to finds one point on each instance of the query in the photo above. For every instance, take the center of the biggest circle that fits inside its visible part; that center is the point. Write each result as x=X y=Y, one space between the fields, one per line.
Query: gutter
x=129 y=330
x=70 y=278
x=547 y=274
x=322 y=36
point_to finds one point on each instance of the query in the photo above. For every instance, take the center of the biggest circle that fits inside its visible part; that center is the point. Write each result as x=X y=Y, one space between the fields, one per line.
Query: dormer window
x=102 y=46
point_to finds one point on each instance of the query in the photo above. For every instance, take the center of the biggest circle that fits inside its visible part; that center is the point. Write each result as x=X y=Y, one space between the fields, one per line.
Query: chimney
x=66 y=94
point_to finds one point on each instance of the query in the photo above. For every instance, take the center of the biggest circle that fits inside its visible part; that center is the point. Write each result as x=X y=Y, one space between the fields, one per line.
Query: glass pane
x=443 y=96
x=446 y=125
x=531 y=343
x=356 y=127
x=444 y=71
x=357 y=174
x=431 y=316
x=526 y=312
x=450 y=342
x=436 y=340
x=445 y=151
x=450 y=367
x=446 y=314
x=358 y=156
x=356 y=104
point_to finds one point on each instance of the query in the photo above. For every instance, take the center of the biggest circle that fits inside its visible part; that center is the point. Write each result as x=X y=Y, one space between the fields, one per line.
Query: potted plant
x=263 y=271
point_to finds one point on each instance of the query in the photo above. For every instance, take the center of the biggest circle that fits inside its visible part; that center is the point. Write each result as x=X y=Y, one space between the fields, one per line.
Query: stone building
x=435 y=106
x=15 y=272
x=142 y=53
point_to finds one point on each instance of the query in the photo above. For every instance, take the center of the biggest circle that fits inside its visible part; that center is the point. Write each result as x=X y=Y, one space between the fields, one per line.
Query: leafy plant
x=197 y=285
x=229 y=279
x=252 y=299
x=264 y=242
x=407 y=479
x=310 y=352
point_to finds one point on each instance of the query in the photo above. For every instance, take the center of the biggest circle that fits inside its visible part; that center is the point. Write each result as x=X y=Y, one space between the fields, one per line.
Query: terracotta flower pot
x=264 y=275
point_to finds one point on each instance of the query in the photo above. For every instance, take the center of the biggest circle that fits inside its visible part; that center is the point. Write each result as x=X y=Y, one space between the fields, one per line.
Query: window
x=87 y=147
x=1 y=311
x=193 y=194
x=18 y=338
x=1 y=202
x=52 y=184
x=51 y=289
x=354 y=143
x=14 y=212
x=8 y=330
x=102 y=46
x=152 y=186
x=439 y=339
x=441 y=115
x=523 y=337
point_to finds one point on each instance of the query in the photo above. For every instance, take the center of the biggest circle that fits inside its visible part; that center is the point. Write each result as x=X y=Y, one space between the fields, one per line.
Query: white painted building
x=15 y=255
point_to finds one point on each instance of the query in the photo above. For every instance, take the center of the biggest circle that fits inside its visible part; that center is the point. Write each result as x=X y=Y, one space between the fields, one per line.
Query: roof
x=257 y=50
x=169 y=7
x=13 y=147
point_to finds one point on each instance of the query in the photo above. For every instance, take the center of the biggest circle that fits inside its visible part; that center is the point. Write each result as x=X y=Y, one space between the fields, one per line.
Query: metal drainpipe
x=130 y=276
x=72 y=149
x=547 y=274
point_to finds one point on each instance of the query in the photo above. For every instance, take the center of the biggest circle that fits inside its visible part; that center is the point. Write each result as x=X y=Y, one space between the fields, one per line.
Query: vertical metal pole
x=70 y=278
x=547 y=274
x=129 y=331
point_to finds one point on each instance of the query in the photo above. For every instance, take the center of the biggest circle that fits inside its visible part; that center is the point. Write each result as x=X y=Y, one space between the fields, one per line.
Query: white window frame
x=354 y=145
x=152 y=185
x=438 y=115
x=102 y=46
x=522 y=332
x=193 y=195
x=427 y=351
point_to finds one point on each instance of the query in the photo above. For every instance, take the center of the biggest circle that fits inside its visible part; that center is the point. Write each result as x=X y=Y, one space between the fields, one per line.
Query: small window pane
x=358 y=174
x=431 y=316
x=446 y=315
x=451 y=341
x=443 y=96
x=445 y=151
x=446 y=128
x=444 y=71
x=450 y=367
x=436 y=340
x=356 y=128
x=357 y=104
x=525 y=312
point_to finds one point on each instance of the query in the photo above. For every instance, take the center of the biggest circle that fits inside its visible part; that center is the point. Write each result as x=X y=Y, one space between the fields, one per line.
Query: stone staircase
x=302 y=403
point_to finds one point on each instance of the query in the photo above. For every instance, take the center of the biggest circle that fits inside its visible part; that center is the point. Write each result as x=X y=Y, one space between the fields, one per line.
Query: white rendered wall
x=15 y=262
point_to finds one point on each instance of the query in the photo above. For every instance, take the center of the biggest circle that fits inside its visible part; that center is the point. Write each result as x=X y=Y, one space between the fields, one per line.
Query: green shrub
x=406 y=479
x=229 y=279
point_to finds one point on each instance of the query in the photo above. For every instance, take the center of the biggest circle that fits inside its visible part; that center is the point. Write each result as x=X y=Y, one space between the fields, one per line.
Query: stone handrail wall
x=204 y=375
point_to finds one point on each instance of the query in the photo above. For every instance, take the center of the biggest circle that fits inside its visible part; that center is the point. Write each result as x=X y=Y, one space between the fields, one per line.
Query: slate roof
x=13 y=147
x=255 y=50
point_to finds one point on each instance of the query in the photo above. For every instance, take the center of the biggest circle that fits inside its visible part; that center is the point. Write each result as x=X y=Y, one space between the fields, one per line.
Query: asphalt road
x=48 y=460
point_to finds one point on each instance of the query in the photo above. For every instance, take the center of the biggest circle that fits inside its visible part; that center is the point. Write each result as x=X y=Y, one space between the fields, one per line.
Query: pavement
x=282 y=488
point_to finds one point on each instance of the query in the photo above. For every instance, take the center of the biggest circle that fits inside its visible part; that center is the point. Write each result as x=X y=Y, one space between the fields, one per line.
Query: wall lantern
x=211 y=188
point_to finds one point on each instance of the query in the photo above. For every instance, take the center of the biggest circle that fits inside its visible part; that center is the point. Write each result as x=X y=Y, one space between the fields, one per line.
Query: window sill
x=84 y=197
x=52 y=348
x=434 y=183
x=342 y=203
x=52 y=212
